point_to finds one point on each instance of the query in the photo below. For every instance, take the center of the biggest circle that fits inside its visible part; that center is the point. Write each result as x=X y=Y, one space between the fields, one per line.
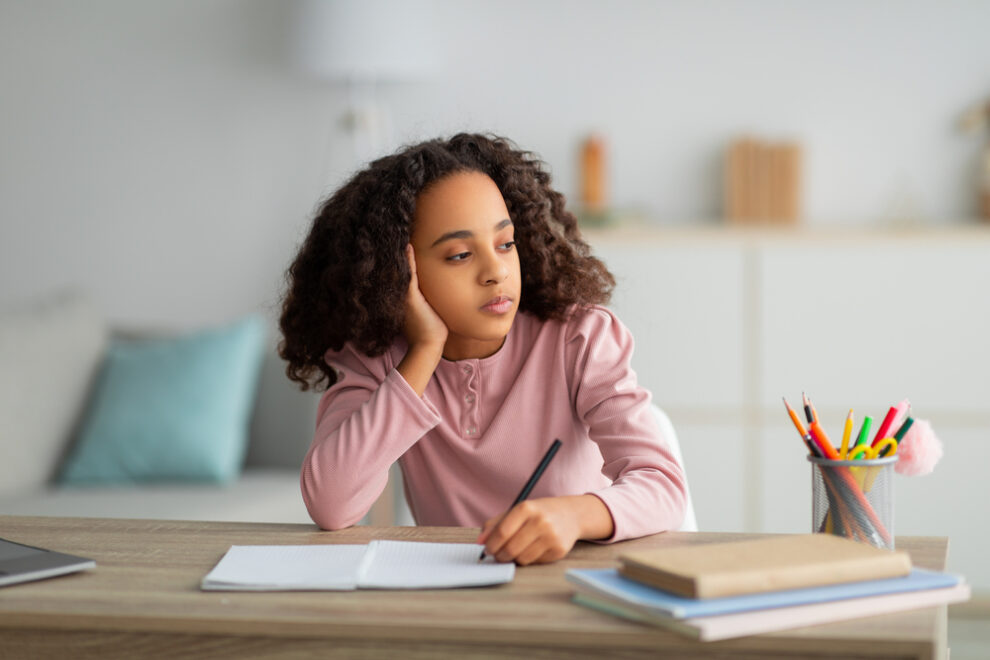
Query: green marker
x=904 y=429
x=864 y=432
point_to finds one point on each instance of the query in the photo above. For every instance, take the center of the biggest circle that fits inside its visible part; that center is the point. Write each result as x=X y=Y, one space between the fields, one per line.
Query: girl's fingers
x=526 y=547
x=487 y=528
x=516 y=546
x=516 y=531
x=411 y=257
x=502 y=531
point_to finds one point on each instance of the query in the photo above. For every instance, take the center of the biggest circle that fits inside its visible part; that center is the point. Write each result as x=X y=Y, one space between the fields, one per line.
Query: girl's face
x=467 y=263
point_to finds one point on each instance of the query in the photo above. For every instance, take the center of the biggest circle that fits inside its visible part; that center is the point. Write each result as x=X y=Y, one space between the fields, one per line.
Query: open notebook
x=377 y=565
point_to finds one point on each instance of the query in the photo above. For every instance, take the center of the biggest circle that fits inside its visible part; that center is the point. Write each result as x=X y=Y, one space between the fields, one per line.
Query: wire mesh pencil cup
x=854 y=499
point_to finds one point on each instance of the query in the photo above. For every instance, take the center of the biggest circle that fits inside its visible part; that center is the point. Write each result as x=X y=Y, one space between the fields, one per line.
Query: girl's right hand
x=422 y=326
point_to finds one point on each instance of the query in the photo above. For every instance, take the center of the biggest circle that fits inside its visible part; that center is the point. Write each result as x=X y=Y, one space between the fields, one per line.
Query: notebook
x=754 y=622
x=22 y=563
x=609 y=583
x=377 y=565
x=781 y=562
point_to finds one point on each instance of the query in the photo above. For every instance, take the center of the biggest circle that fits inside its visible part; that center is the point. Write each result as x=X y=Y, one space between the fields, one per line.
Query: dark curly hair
x=350 y=277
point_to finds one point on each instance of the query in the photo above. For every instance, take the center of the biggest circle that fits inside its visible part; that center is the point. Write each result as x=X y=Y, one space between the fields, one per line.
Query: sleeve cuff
x=424 y=412
x=602 y=495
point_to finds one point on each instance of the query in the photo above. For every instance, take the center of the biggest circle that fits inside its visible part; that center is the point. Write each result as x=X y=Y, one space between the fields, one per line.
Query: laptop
x=22 y=563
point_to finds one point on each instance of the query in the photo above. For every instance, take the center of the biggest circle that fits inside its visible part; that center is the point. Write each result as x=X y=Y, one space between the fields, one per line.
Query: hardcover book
x=768 y=564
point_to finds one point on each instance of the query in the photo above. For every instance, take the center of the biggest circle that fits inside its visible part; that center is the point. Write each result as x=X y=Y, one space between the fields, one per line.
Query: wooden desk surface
x=143 y=600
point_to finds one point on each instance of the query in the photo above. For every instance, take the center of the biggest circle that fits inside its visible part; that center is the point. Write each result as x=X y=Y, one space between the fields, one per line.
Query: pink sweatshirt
x=468 y=445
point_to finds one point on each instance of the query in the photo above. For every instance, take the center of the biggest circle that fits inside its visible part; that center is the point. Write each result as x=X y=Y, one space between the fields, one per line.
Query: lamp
x=361 y=43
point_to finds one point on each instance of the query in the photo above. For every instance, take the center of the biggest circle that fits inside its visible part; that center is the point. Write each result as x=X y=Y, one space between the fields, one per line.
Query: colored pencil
x=809 y=411
x=846 y=432
x=795 y=419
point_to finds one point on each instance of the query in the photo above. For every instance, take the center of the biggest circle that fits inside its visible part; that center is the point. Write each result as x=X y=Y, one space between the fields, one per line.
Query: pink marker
x=895 y=413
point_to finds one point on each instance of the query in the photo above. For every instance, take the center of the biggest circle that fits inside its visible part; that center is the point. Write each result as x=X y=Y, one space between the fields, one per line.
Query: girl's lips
x=499 y=305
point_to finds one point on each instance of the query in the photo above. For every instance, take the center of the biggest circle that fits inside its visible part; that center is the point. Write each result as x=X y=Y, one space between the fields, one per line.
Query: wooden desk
x=143 y=600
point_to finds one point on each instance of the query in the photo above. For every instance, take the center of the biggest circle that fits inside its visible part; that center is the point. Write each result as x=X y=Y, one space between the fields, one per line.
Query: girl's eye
x=460 y=256
x=508 y=245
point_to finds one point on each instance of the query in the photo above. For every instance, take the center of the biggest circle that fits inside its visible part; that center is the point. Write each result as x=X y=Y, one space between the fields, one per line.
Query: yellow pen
x=846 y=432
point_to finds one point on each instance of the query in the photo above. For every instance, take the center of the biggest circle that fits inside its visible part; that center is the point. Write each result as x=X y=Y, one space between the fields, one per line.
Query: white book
x=377 y=565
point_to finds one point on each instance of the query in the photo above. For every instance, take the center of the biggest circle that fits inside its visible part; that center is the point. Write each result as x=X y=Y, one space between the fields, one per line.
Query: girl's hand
x=422 y=326
x=425 y=332
x=545 y=529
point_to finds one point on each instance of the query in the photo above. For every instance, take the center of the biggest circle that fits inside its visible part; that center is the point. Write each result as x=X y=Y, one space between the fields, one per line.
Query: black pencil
x=537 y=473
x=809 y=412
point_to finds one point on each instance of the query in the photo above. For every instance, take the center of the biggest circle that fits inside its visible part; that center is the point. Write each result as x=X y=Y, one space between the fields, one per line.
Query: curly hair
x=348 y=282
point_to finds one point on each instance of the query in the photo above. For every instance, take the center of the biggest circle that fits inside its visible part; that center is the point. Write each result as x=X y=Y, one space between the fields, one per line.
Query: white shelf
x=727 y=320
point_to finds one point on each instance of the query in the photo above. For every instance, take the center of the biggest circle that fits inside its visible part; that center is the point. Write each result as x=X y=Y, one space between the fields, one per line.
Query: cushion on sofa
x=174 y=409
x=50 y=351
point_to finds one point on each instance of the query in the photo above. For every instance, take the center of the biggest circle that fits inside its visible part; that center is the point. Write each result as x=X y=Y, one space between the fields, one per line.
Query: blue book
x=608 y=582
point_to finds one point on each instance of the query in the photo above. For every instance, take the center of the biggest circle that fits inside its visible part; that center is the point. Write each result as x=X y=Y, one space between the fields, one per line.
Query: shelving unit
x=728 y=320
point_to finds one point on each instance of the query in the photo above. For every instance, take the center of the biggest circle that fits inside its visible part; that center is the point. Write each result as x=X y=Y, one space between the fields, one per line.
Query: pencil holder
x=854 y=499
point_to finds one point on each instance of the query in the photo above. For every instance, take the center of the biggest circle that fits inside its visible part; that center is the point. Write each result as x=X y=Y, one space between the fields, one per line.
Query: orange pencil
x=819 y=435
x=794 y=418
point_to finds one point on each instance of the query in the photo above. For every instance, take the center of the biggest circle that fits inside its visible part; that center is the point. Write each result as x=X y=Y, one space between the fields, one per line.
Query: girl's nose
x=494 y=270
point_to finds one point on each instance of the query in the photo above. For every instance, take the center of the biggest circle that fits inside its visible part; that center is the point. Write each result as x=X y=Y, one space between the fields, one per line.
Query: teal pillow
x=174 y=409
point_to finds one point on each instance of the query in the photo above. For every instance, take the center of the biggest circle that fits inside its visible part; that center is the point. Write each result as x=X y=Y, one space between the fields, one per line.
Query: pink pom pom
x=919 y=450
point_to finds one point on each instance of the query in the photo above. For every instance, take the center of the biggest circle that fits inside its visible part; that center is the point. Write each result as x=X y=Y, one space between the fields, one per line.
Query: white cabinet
x=728 y=321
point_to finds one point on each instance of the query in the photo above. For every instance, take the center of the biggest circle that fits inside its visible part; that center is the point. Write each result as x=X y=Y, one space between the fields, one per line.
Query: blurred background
x=791 y=194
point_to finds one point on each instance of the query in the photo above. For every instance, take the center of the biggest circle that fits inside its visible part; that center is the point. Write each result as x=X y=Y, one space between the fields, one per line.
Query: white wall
x=165 y=155
x=157 y=154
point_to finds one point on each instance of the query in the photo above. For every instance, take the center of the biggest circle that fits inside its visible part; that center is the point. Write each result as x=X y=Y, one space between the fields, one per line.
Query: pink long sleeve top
x=469 y=444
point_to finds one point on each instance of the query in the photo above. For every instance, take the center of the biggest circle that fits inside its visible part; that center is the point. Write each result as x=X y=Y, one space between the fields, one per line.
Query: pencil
x=537 y=473
x=846 y=432
x=808 y=413
x=795 y=419
x=818 y=433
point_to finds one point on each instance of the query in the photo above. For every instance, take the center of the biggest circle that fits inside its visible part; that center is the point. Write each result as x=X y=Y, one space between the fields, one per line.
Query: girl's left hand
x=544 y=530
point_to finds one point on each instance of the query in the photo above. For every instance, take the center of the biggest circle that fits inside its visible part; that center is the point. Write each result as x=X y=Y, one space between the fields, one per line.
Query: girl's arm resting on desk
x=365 y=423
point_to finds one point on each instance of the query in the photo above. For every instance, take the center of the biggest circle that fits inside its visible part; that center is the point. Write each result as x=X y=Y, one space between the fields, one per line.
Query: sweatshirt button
x=469 y=398
x=471 y=430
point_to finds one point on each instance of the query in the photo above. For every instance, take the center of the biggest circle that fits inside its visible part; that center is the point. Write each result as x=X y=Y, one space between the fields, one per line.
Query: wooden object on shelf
x=594 y=195
x=762 y=182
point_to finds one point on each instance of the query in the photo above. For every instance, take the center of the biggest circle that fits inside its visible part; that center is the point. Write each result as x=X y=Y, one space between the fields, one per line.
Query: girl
x=447 y=302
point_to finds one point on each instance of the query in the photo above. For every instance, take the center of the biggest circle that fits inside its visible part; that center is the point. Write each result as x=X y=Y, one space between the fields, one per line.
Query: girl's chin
x=475 y=346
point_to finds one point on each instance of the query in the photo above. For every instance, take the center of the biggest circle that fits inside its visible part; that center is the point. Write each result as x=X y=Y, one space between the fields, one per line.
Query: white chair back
x=690 y=523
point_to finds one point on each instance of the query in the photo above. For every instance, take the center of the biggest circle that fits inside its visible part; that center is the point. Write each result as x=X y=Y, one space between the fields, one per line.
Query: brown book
x=770 y=564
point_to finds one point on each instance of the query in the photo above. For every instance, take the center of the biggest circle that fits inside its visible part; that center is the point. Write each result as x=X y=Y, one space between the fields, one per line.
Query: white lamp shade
x=369 y=40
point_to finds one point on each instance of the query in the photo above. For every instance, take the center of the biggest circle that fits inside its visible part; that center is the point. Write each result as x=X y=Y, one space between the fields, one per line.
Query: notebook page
x=418 y=565
x=286 y=568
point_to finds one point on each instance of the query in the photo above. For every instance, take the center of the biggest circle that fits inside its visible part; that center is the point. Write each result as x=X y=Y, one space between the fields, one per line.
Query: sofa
x=59 y=359
x=85 y=431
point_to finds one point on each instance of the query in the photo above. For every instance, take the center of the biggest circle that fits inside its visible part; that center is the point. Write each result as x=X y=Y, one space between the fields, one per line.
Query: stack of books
x=725 y=590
